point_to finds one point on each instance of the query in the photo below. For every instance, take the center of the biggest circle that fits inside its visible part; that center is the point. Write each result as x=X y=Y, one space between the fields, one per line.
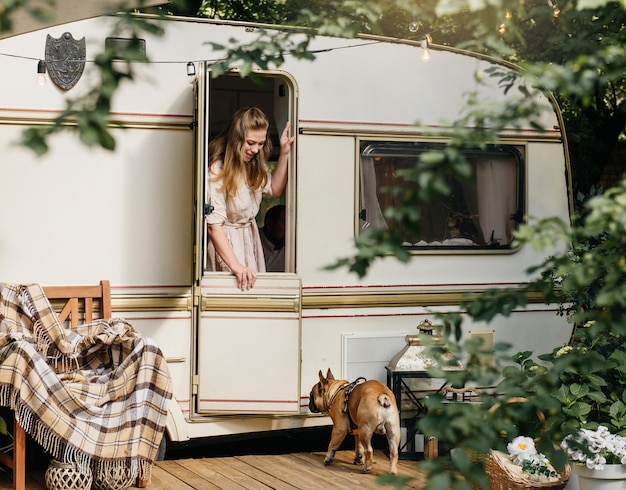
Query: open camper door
x=247 y=342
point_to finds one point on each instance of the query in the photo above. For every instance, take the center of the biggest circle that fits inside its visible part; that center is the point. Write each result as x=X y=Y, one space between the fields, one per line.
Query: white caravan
x=244 y=362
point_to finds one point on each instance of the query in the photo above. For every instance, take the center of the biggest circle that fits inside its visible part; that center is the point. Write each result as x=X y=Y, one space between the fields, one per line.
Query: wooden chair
x=73 y=297
x=85 y=296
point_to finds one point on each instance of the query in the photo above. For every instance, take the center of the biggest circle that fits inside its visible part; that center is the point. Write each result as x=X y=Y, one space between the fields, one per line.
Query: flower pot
x=612 y=477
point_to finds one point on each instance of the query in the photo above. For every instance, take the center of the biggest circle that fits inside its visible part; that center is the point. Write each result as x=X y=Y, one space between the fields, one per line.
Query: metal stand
x=397 y=382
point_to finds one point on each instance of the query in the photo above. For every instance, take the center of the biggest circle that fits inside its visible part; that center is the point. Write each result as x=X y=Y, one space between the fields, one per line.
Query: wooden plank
x=380 y=462
x=207 y=470
x=264 y=476
x=162 y=479
x=173 y=474
x=343 y=472
x=290 y=473
x=36 y=480
x=224 y=466
x=317 y=475
x=344 y=463
x=32 y=483
x=381 y=466
x=410 y=468
x=298 y=471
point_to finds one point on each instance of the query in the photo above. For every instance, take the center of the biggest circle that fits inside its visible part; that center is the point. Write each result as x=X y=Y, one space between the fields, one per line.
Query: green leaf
x=35 y=139
x=579 y=390
x=618 y=410
x=578 y=410
x=397 y=481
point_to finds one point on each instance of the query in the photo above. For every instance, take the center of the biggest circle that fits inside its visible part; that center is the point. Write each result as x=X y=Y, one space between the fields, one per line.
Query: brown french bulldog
x=371 y=408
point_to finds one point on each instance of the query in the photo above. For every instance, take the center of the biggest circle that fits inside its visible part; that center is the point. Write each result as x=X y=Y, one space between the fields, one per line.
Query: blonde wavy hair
x=228 y=147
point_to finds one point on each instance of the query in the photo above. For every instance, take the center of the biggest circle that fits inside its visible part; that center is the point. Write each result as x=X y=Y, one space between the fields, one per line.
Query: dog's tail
x=384 y=400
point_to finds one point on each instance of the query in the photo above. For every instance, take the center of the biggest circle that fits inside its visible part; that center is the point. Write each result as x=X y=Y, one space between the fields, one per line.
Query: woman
x=238 y=176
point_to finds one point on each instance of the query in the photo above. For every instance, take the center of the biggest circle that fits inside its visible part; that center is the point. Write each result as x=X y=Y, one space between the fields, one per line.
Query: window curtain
x=368 y=199
x=470 y=192
x=496 y=183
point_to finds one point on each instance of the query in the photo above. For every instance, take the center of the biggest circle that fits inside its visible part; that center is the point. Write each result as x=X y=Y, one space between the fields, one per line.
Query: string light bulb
x=191 y=72
x=555 y=8
x=41 y=73
x=413 y=25
x=424 y=44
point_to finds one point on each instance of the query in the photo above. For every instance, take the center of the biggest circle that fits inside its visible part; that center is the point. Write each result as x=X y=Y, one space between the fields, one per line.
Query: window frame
x=516 y=148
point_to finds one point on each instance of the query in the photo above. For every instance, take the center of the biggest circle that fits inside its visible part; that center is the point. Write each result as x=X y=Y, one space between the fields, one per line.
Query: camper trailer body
x=243 y=361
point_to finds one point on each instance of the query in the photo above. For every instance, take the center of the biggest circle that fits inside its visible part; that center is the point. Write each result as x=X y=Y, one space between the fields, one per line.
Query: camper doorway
x=248 y=342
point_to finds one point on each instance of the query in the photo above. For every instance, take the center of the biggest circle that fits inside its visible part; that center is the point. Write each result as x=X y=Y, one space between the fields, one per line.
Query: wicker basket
x=67 y=476
x=116 y=478
x=504 y=475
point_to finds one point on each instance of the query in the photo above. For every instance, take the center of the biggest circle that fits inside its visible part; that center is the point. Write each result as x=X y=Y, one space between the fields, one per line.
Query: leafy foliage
x=268 y=51
x=575 y=386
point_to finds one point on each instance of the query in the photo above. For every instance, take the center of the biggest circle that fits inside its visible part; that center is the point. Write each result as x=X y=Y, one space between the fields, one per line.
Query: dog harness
x=349 y=387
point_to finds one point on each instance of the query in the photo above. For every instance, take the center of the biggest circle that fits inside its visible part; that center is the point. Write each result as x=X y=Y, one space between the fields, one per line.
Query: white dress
x=236 y=214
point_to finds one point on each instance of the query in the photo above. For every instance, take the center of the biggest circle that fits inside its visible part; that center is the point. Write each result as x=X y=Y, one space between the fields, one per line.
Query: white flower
x=563 y=350
x=521 y=448
x=595 y=448
x=523 y=453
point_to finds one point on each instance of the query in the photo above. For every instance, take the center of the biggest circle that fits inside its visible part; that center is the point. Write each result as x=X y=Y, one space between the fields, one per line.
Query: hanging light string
x=41 y=72
x=426 y=38
x=425 y=41
x=41 y=64
x=556 y=11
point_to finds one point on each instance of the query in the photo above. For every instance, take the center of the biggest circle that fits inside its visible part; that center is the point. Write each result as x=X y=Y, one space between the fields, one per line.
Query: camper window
x=480 y=212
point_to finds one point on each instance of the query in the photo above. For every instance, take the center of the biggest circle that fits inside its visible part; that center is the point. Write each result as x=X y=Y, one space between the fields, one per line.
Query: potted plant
x=592 y=368
x=581 y=385
x=599 y=457
x=588 y=376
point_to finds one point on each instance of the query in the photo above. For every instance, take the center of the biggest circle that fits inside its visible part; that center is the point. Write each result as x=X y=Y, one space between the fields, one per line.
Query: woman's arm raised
x=279 y=178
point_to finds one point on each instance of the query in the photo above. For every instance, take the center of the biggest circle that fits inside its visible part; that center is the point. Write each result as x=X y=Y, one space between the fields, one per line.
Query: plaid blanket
x=96 y=395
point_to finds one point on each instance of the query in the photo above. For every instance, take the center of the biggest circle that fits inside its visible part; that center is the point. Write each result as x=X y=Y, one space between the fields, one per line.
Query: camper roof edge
x=63 y=11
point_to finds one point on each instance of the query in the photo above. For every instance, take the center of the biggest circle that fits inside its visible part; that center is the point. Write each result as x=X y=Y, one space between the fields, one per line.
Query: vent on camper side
x=120 y=44
x=367 y=354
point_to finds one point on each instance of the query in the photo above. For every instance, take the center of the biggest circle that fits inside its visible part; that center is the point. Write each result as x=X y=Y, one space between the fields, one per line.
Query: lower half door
x=248 y=352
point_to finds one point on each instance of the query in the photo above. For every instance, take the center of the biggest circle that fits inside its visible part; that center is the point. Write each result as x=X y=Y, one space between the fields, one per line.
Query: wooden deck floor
x=304 y=471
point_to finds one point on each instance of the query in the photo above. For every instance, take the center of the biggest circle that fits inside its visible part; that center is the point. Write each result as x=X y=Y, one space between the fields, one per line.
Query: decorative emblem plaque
x=65 y=60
